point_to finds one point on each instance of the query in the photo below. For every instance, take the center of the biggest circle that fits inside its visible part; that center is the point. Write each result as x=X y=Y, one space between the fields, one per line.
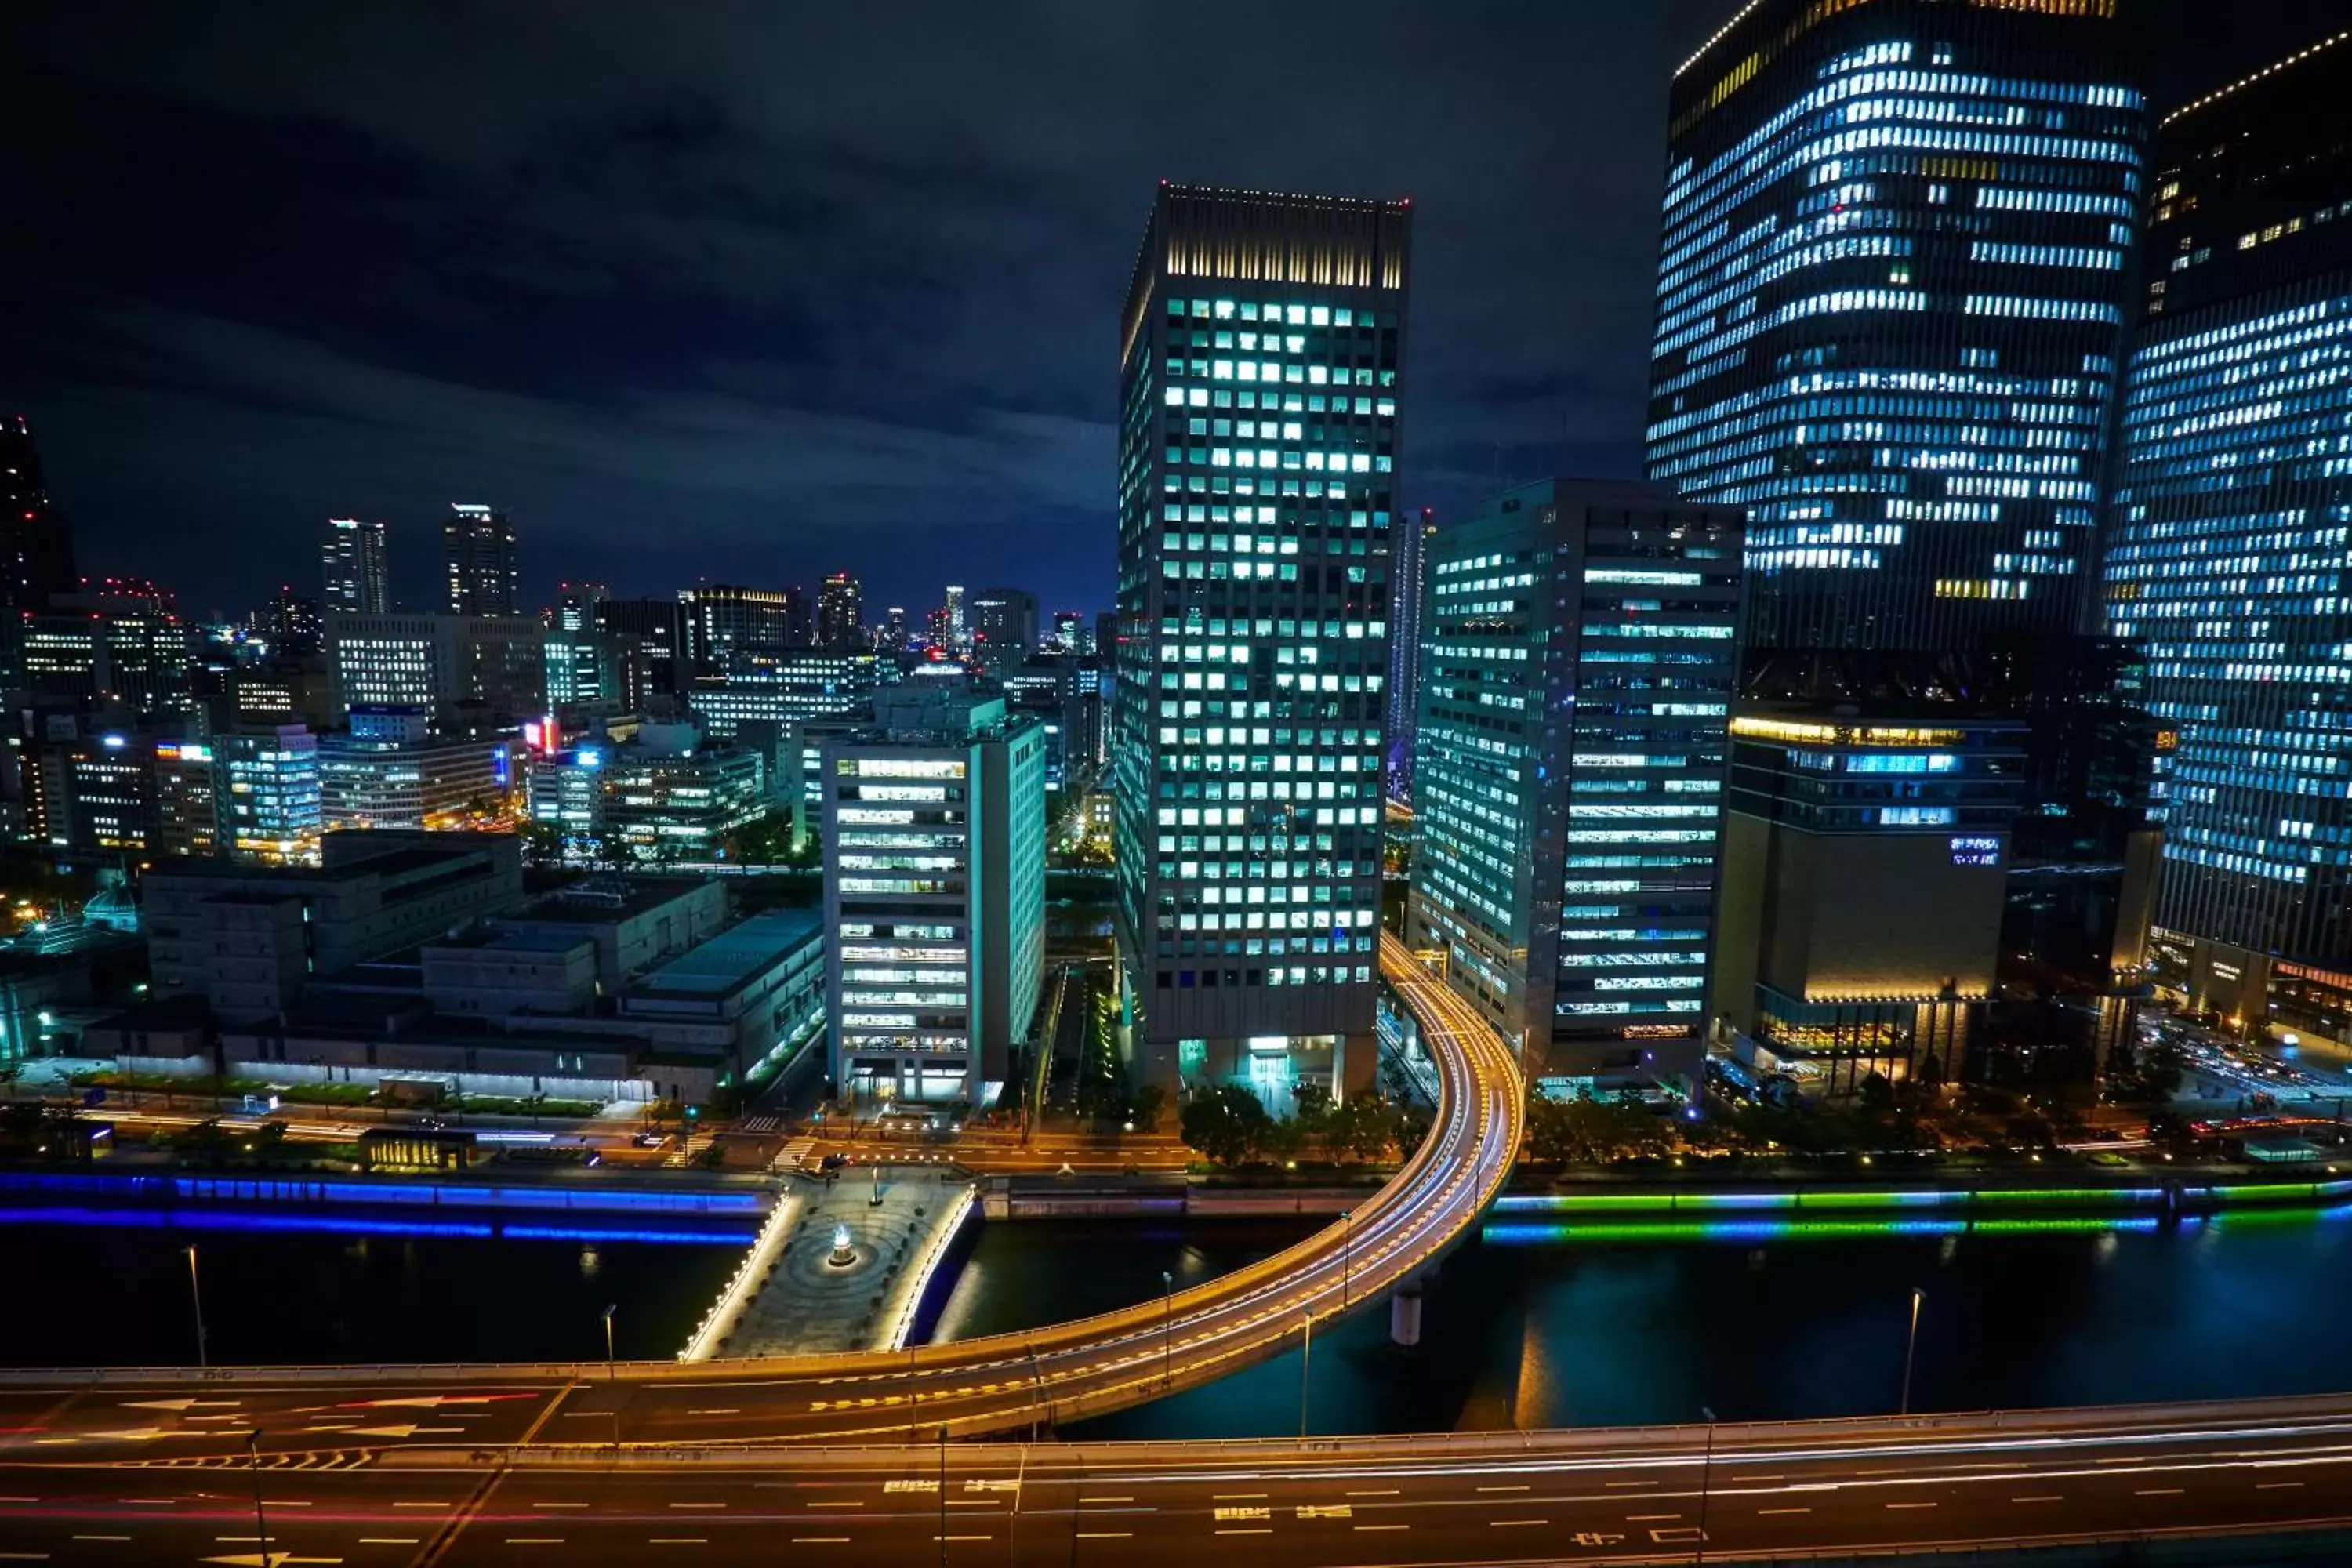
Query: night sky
x=757 y=291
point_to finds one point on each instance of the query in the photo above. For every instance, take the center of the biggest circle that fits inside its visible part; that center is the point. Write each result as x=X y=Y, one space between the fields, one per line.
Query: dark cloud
x=757 y=291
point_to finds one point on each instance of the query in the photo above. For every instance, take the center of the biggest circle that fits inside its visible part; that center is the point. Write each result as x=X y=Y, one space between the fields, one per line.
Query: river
x=1585 y=1332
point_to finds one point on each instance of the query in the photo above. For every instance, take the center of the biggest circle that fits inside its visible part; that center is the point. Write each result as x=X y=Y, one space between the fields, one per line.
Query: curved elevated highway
x=1003 y=1383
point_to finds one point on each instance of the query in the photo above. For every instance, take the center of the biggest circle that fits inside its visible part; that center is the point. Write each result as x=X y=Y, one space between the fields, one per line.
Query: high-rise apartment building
x=1409 y=545
x=2230 y=536
x=1582 y=656
x=351 y=564
x=1889 y=308
x=1260 y=381
x=934 y=891
x=480 y=545
x=840 y=613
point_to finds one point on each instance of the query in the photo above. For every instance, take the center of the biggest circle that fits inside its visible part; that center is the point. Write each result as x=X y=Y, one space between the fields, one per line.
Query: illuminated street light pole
x=610 y=1309
x=196 y=1297
x=1167 y=1328
x=1306 y=1368
x=260 y=1524
x=1911 y=1347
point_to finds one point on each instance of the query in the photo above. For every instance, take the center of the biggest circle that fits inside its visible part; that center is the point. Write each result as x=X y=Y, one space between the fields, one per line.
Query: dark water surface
x=1513 y=1335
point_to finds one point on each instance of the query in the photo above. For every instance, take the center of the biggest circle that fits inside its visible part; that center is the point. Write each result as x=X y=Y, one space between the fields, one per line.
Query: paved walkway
x=811 y=1306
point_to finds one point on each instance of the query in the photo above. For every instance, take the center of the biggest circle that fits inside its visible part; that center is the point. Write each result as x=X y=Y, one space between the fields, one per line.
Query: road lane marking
x=963 y=1538
x=1106 y=1500
x=101 y=1538
x=1502 y=1488
x=1629 y=1483
x=1390 y=1492
x=2044 y=1496
x=702 y=1541
x=388 y=1541
x=559 y=1505
x=833 y=1502
x=2161 y=1491
x=1911 y=1505
x=1509 y=1523
x=2274 y=1486
x=534 y=1540
x=1236 y=1497
x=1645 y=1517
x=421 y=1505
x=1765 y=1511
x=722 y=1410
x=1383 y=1526
x=1759 y=1477
x=1106 y=1534
x=820 y=1541
x=1256 y=1530
x=697 y=1505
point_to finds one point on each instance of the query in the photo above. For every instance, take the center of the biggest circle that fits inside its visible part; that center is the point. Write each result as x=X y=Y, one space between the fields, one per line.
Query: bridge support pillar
x=1404 y=1315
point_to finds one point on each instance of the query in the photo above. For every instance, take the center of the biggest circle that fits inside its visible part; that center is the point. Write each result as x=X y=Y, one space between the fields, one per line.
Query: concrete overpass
x=1007 y=1383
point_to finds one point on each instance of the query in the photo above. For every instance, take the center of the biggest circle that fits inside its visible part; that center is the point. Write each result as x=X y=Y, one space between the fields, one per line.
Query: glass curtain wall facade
x=1260 y=385
x=2231 y=531
x=1582 y=655
x=1889 y=306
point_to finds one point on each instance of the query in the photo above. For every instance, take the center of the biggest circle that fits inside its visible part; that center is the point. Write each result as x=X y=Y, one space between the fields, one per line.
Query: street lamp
x=1911 y=1347
x=1705 y=1473
x=196 y=1297
x=1306 y=1366
x=610 y=1309
x=1346 y=1246
x=1167 y=1328
x=260 y=1524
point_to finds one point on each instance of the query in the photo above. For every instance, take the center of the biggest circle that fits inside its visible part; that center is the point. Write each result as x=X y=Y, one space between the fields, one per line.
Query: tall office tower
x=584 y=667
x=651 y=632
x=721 y=617
x=1069 y=632
x=957 y=634
x=269 y=800
x=1408 y=550
x=1005 y=626
x=783 y=687
x=37 y=556
x=1582 y=648
x=1889 y=310
x=895 y=633
x=480 y=545
x=467 y=671
x=840 y=613
x=934 y=891
x=1259 y=382
x=351 y=560
x=2227 y=555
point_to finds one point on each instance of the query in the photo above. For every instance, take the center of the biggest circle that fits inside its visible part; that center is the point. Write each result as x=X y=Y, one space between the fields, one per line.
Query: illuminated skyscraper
x=351 y=561
x=480 y=545
x=2230 y=533
x=1889 y=308
x=1582 y=654
x=840 y=613
x=1259 y=388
